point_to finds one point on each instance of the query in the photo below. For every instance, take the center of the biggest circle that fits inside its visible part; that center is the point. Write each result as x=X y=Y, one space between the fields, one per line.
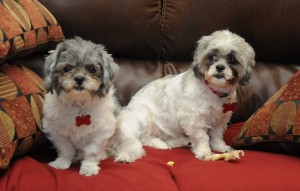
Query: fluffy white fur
x=177 y=110
x=68 y=99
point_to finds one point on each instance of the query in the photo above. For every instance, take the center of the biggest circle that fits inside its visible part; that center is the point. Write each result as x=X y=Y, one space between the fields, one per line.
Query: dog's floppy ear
x=109 y=71
x=202 y=45
x=50 y=63
x=249 y=62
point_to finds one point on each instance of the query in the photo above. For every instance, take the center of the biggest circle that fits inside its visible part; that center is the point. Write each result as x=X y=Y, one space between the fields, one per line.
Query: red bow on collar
x=229 y=107
x=83 y=120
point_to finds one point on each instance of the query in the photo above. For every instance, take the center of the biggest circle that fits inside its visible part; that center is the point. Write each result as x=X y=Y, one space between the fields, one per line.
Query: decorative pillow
x=21 y=100
x=276 y=123
x=26 y=26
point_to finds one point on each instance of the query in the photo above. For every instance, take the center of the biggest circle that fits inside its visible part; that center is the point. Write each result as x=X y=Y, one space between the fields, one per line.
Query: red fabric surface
x=27 y=174
x=255 y=171
x=231 y=132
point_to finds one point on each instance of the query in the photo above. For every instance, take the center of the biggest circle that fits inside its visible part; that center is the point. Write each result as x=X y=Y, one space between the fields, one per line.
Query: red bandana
x=83 y=120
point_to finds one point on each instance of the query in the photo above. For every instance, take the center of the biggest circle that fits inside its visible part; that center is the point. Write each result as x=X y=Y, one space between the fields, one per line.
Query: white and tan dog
x=192 y=107
x=80 y=106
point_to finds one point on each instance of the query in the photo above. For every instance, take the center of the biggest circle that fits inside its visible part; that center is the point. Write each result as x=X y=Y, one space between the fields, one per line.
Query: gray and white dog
x=192 y=107
x=79 y=110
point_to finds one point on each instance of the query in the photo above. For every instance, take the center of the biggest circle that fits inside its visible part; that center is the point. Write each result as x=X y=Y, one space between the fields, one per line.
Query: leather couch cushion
x=126 y=28
x=270 y=27
x=133 y=75
x=169 y=29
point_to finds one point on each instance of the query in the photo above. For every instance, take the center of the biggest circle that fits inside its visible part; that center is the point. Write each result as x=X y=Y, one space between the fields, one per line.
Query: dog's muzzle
x=79 y=82
x=219 y=69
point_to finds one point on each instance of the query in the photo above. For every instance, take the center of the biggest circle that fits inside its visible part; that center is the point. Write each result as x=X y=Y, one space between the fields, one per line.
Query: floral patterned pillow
x=277 y=122
x=26 y=26
x=21 y=101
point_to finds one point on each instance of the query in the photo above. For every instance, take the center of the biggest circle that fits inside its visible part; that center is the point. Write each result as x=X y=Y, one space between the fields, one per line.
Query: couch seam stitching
x=162 y=16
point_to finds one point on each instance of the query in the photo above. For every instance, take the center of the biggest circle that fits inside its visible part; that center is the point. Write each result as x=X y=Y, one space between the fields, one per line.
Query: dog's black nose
x=220 y=68
x=79 y=79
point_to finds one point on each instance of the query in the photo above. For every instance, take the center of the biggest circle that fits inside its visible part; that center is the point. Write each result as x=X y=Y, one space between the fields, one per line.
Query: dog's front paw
x=201 y=154
x=89 y=169
x=222 y=148
x=60 y=163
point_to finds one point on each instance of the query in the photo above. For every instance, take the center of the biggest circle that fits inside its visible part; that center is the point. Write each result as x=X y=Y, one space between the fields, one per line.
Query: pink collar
x=219 y=94
x=226 y=106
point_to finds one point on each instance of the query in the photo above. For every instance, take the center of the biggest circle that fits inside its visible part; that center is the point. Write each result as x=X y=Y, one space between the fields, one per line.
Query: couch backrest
x=153 y=38
x=127 y=28
x=272 y=27
x=168 y=29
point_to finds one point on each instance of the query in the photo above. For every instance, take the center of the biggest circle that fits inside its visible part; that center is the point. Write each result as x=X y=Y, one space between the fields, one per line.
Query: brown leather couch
x=153 y=38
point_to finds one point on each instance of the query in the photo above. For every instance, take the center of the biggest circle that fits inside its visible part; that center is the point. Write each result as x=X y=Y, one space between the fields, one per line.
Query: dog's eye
x=212 y=58
x=232 y=60
x=91 y=69
x=67 y=68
